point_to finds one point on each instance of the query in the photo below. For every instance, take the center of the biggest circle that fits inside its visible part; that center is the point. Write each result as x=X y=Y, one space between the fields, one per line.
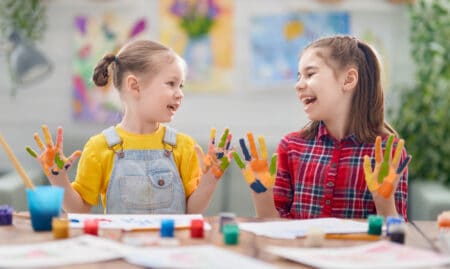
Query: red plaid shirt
x=325 y=178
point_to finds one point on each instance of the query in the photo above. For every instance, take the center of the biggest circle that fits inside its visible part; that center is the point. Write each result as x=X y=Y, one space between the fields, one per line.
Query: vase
x=198 y=55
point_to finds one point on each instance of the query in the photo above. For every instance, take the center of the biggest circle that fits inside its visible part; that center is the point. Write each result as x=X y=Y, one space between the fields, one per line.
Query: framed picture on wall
x=96 y=35
x=277 y=40
x=201 y=31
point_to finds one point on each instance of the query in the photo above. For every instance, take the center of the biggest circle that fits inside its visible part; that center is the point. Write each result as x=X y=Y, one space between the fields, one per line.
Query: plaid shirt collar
x=324 y=135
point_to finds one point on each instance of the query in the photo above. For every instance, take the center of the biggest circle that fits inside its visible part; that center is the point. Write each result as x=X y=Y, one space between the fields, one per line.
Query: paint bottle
x=226 y=217
x=60 y=228
x=6 y=215
x=167 y=228
x=375 y=224
x=197 y=228
x=390 y=220
x=230 y=234
x=90 y=226
x=397 y=232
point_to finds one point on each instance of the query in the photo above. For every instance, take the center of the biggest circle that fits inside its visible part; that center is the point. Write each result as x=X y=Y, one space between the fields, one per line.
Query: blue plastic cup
x=44 y=203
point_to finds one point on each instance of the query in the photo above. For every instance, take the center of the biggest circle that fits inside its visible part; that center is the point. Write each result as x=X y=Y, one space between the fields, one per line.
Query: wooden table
x=249 y=244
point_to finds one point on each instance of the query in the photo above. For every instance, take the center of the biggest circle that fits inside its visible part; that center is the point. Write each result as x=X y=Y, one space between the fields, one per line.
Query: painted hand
x=52 y=158
x=217 y=159
x=257 y=173
x=383 y=178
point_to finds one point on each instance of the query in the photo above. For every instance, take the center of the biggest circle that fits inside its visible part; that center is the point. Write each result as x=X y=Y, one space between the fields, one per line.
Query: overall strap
x=113 y=139
x=169 y=140
x=170 y=136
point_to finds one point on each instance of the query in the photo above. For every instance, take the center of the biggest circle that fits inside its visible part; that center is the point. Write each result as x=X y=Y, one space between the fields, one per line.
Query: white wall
x=270 y=112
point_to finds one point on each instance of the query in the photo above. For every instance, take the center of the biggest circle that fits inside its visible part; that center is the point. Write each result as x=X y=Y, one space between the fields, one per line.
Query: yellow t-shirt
x=97 y=160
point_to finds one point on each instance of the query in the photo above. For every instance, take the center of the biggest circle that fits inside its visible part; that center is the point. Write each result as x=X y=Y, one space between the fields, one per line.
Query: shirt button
x=161 y=182
x=330 y=184
x=327 y=202
x=333 y=165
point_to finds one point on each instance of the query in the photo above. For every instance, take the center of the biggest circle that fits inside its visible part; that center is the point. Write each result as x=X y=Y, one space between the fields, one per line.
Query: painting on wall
x=277 y=40
x=201 y=32
x=94 y=37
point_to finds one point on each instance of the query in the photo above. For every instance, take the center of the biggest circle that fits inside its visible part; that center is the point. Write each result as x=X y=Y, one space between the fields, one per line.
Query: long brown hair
x=138 y=57
x=367 y=108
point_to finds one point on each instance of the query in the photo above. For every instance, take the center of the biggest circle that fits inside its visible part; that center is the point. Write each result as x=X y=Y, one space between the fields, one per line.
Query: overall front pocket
x=147 y=192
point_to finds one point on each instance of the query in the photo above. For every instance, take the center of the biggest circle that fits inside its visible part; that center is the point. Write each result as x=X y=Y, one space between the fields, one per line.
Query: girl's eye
x=171 y=83
x=181 y=86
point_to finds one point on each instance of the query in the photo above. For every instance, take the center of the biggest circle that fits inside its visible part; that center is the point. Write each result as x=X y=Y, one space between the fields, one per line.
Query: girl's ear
x=132 y=84
x=351 y=79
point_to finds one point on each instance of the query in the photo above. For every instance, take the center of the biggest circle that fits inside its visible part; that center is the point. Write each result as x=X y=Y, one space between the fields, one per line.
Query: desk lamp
x=28 y=65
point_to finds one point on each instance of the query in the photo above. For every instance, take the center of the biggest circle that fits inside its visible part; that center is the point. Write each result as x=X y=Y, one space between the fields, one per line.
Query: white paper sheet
x=134 y=221
x=77 y=250
x=193 y=257
x=291 y=229
x=383 y=254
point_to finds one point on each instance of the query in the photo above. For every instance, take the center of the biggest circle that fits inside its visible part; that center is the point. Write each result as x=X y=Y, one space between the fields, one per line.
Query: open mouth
x=172 y=108
x=308 y=100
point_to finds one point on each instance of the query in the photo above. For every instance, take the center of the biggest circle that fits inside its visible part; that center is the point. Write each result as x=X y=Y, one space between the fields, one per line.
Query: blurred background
x=242 y=58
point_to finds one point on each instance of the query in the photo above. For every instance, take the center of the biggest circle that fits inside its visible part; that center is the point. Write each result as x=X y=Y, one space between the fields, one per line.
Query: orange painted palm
x=384 y=176
x=217 y=158
x=52 y=158
x=257 y=172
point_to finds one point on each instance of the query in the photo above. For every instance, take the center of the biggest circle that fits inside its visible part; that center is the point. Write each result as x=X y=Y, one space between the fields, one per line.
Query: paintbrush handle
x=26 y=180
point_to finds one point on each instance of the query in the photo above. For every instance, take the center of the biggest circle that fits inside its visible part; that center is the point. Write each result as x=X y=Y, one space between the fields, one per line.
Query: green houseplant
x=21 y=22
x=25 y=17
x=423 y=116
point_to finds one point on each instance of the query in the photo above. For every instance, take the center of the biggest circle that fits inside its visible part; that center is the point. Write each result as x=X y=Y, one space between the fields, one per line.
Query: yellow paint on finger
x=372 y=183
x=212 y=134
x=266 y=179
x=38 y=141
x=263 y=147
x=398 y=153
x=47 y=136
x=370 y=177
x=248 y=176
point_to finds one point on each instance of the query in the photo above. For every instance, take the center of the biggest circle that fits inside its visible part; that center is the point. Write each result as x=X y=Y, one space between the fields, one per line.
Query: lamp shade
x=28 y=64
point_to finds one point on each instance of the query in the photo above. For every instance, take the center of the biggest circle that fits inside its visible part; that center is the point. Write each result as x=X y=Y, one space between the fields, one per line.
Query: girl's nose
x=179 y=93
x=300 y=85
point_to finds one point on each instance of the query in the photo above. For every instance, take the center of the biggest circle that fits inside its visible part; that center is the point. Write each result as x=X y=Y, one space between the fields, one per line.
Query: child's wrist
x=209 y=178
x=387 y=211
x=59 y=180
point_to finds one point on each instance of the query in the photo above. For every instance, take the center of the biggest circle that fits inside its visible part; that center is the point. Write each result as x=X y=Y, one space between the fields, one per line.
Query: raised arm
x=213 y=164
x=258 y=174
x=382 y=179
x=55 y=166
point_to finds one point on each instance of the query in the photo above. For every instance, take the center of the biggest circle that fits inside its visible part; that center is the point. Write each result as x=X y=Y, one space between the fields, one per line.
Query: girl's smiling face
x=161 y=96
x=319 y=87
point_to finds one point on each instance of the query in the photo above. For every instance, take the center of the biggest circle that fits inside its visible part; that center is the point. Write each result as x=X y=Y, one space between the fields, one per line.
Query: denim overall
x=144 y=181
